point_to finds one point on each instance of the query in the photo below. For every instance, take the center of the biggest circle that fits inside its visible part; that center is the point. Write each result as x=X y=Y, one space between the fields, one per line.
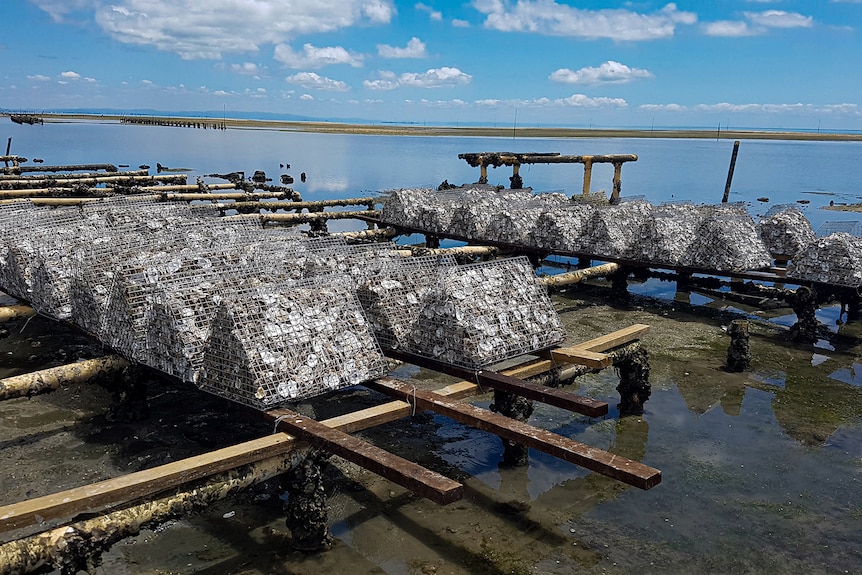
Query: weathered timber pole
x=251 y=206
x=577 y=276
x=78 y=546
x=52 y=378
x=13 y=312
x=382 y=233
x=730 y=172
x=69 y=168
x=618 y=183
x=317 y=217
x=468 y=252
x=81 y=176
x=588 y=175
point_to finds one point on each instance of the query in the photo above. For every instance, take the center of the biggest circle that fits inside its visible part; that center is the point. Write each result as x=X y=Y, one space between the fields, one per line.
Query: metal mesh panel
x=670 y=233
x=514 y=224
x=404 y=207
x=785 y=230
x=41 y=239
x=829 y=228
x=484 y=313
x=269 y=348
x=564 y=229
x=354 y=261
x=727 y=241
x=474 y=210
x=14 y=218
x=619 y=231
x=393 y=298
x=834 y=259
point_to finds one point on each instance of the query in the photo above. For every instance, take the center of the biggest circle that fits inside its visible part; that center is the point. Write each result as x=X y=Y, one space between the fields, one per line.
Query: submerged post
x=739 y=351
x=730 y=171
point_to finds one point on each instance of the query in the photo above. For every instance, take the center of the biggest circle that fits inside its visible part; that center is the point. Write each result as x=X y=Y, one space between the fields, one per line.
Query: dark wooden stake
x=730 y=172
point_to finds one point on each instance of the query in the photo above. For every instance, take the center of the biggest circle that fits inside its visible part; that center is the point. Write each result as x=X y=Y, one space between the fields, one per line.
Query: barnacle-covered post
x=516 y=182
x=306 y=504
x=129 y=395
x=804 y=305
x=632 y=365
x=519 y=409
x=739 y=351
x=619 y=284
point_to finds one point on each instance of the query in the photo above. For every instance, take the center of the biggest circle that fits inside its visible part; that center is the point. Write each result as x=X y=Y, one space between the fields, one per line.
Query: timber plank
x=67 y=504
x=619 y=468
x=614 y=339
x=419 y=480
x=577 y=356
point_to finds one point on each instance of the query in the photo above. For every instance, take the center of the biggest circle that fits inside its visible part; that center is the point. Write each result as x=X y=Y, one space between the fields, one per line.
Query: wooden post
x=13 y=312
x=52 y=378
x=730 y=171
x=618 y=183
x=588 y=175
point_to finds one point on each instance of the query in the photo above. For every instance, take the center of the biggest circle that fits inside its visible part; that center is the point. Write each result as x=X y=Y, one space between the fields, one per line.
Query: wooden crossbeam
x=619 y=468
x=504 y=382
x=67 y=504
x=590 y=353
x=421 y=481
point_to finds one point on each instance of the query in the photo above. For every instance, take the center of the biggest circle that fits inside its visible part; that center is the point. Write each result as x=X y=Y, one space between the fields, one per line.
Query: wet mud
x=761 y=468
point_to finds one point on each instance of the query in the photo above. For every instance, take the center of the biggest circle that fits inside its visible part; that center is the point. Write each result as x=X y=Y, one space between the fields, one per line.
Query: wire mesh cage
x=834 y=259
x=618 y=231
x=269 y=347
x=404 y=207
x=785 y=230
x=356 y=262
x=829 y=228
x=483 y=313
x=727 y=240
x=394 y=298
x=670 y=233
x=564 y=229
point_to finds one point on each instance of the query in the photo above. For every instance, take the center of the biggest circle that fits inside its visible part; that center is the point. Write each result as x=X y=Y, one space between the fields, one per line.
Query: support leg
x=129 y=395
x=805 y=307
x=739 y=351
x=306 y=505
x=634 y=387
x=620 y=285
x=519 y=409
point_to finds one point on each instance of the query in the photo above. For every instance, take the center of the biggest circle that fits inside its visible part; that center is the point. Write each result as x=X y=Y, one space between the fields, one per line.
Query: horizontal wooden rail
x=613 y=466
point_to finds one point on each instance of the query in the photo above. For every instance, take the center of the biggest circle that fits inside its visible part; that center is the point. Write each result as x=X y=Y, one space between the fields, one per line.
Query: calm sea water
x=340 y=166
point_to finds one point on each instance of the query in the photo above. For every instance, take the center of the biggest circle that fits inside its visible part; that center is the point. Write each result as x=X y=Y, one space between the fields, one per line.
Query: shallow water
x=761 y=470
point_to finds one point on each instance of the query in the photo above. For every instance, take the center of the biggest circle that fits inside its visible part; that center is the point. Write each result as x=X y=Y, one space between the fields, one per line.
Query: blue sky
x=778 y=64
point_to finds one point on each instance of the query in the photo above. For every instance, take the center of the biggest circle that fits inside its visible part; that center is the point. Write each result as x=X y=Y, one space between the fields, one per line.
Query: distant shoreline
x=468 y=131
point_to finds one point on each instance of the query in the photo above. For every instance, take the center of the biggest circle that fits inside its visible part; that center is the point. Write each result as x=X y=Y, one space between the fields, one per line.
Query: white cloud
x=307 y=97
x=70 y=75
x=60 y=9
x=444 y=77
x=609 y=72
x=38 y=78
x=312 y=81
x=582 y=101
x=314 y=57
x=730 y=28
x=758 y=23
x=548 y=17
x=415 y=49
x=435 y=15
x=246 y=68
x=458 y=23
x=779 y=19
x=208 y=30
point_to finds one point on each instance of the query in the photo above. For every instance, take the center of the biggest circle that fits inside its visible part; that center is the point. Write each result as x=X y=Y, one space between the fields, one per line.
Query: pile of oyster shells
x=834 y=259
x=680 y=235
x=483 y=313
x=785 y=231
x=259 y=316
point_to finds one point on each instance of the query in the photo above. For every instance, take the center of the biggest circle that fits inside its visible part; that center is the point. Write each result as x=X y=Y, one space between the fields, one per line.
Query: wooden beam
x=615 y=339
x=67 y=504
x=12 y=312
x=52 y=378
x=511 y=384
x=578 y=356
x=619 y=468
x=421 y=481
